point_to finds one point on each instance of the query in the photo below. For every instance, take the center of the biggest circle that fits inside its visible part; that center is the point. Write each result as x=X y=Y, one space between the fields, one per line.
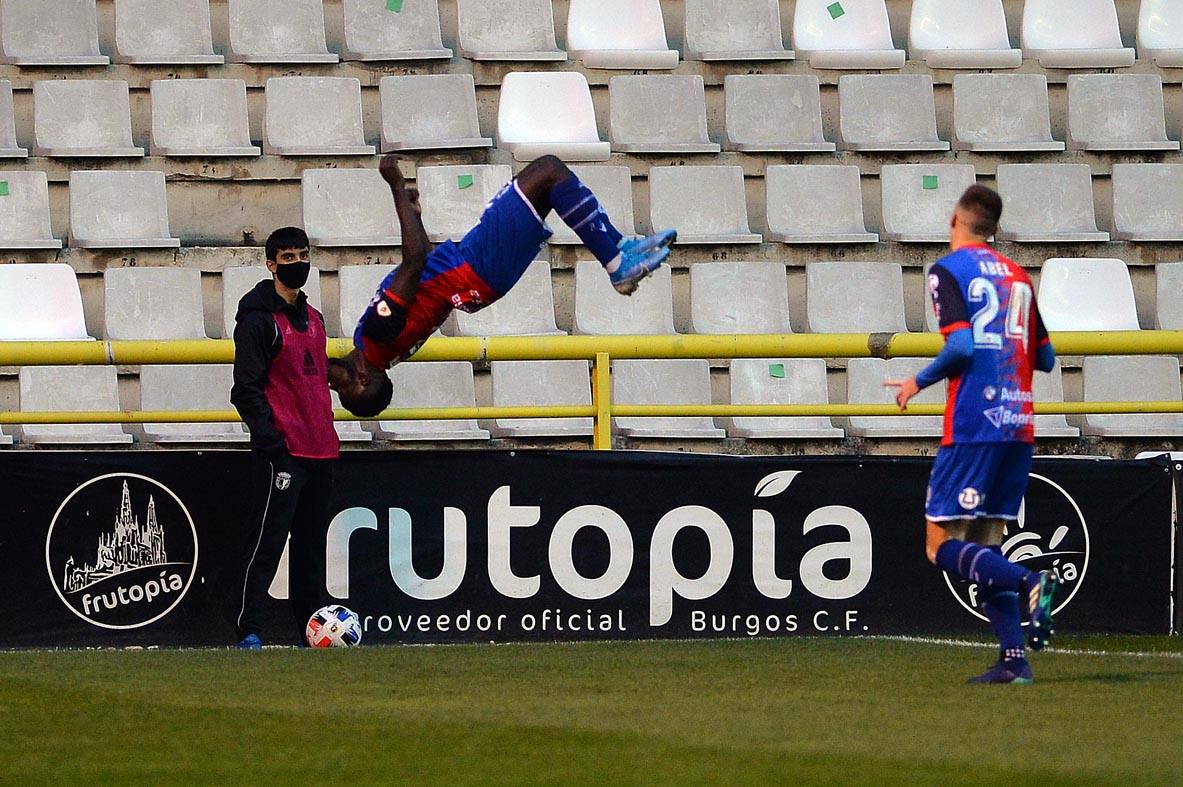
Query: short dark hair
x=285 y=238
x=370 y=400
x=985 y=206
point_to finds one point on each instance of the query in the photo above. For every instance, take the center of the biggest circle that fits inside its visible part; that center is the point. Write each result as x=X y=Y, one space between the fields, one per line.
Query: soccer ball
x=333 y=626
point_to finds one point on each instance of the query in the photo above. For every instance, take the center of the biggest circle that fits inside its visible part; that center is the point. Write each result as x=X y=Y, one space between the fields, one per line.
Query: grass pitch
x=791 y=710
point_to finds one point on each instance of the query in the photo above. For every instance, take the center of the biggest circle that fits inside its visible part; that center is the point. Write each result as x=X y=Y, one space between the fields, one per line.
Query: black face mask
x=293 y=274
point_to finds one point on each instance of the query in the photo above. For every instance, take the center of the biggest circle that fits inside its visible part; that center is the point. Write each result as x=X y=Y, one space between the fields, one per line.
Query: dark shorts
x=505 y=241
x=978 y=480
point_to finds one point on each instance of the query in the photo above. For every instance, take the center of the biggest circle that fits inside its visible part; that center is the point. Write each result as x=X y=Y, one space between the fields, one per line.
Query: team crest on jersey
x=383 y=309
x=970 y=498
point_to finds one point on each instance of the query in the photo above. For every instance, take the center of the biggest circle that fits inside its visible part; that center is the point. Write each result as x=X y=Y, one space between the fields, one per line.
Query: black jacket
x=257 y=341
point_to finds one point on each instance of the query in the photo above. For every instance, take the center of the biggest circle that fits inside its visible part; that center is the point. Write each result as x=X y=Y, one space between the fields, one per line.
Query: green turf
x=793 y=710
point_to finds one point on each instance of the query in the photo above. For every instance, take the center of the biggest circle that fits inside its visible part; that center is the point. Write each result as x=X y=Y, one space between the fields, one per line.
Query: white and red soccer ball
x=333 y=626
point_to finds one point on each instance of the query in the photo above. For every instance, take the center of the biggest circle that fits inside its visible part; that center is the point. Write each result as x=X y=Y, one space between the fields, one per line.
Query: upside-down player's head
x=976 y=215
x=364 y=389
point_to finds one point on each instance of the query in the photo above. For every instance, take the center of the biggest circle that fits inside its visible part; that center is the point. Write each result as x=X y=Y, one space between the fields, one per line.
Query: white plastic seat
x=663 y=382
x=624 y=34
x=153 y=304
x=200 y=117
x=430 y=112
x=374 y=31
x=540 y=383
x=519 y=30
x=526 y=310
x=38 y=33
x=734 y=30
x=1147 y=202
x=436 y=384
x=1048 y=203
x=238 y=280
x=613 y=188
x=705 y=204
x=1107 y=378
x=314 y=116
x=918 y=200
x=1117 y=112
x=888 y=112
x=349 y=207
x=1160 y=32
x=548 y=112
x=119 y=210
x=781 y=381
x=739 y=297
x=188 y=387
x=864 y=385
x=1049 y=387
x=453 y=197
x=8 y=146
x=24 y=212
x=659 y=114
x=845 y=34
x=1002 y=113
x=82 y=117
x=600 y=309
x=277 y=31
x=1073 y=34
x=961 y=34
x=854 y=297
x=349 y=431
x=1087 y=294
x=69 y=389
x=164 y=32
x=356 y=285
x=40 y=301
x=774 y=112
x=820 y=203
x=1168 y=278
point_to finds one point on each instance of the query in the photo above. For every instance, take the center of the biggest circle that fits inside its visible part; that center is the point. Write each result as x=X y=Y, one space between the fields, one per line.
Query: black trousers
x=288 y=496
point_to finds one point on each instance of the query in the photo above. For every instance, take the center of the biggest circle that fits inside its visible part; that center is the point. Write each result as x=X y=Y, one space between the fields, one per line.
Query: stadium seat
x=188 y=387
x=528 y=309
x=238 y=280
x=663 y=382
x=1087 y=294
x=820 y=203
x=453 y=197
x=854 y=297
x=69 y=389
x=1002 y=113
x=548 y=112
x=624 y=34
x=706 y=204
x=164 y=32
x=278 y=31
x=891 y=112
x=1048 y=203
x=1147 y=202
x=119 y=210
x=600 y=309
x=613 y=188
x=961 y=34
x=1117 y=112
x=40 y=301
x=734 y=30
x=540 y=383
x=349 y=207
x=200 y=117
x=438 y=384
x=1160 y=32
x=37 y=33
x=918 y=200
x=8 y=146
x=773 y=113
x=1168 y=277
x=1107 y=379
x=24 y=211
x=153 y=304
x=356 y=285
x=521 y=30
x=845 y=34
x=780 y=381
x=1049 y=387
x=1073 y=34
x=739 y=297
x=659 y=114
x=864 y=385
x=349 y=431
x=82 y=117
x=381 y=30
x=430 y=112
x=314 y=116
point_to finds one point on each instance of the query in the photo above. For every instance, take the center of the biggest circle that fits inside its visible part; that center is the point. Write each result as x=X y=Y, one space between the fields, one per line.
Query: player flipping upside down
x=417 y=297
x=994 y=337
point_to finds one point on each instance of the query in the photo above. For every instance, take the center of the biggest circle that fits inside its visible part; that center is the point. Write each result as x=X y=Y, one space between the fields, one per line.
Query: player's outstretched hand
x=907 y=389
x=390 y=172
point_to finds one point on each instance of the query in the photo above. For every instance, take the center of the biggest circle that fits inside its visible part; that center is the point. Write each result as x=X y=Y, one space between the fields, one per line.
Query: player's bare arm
x=415 y=246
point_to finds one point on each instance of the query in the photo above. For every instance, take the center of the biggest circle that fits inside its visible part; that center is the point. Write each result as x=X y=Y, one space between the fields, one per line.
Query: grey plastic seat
x=200 y=117
x=1117 y=112
x=734 y=30
x=349 y=207
x=1090 y=294
x=540 y=383
x=1049 y=387
x=706 y=204
x=24 y=212
x=815 y=204
x=1073 y=34
x=854 y=297
x=356 y=285
x=238 y=280
x=82 y=117
x=1160 y=34
x=774 y=112
x=188 y=387
x=69 y=389
x=1048 y=203
x=40 y=301
x=1002 y=113
x=663 y=382
x=918 y=200
x=374 y=30
x=624 y=34
x=1168 y=278
x=739 y=297
x=153 y=303
x=528 y=309
x=521 y=30
x=119 y=210
x=864 y=385
x=961 y=34
x=780 y=381
x=548 y=112
x=435 y=384
x=613 y=188
x=848 y=34
x=888 y=112
x=599 y=309
x=277 y=31
x=1107 y=379
x=659 y=114
x=1147 y=202
x=164 y=32
x=430 y=112
x=8 y=146
x=37 y=33
x=314 y=116
x=453 y=197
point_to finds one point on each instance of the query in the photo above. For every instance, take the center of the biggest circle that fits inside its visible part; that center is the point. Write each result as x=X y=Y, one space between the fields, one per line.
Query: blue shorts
x=506 y=239
x=978 y=480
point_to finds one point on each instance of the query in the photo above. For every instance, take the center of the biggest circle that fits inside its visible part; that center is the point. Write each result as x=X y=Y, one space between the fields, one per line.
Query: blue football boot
x=1007 y=671
x=250 y=642
x=639 y=257
x=1039 y=610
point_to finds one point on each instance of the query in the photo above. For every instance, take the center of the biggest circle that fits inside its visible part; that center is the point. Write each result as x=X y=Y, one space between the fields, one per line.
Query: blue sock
x=981 y=564
x=577 y=205
x=1002 y=608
